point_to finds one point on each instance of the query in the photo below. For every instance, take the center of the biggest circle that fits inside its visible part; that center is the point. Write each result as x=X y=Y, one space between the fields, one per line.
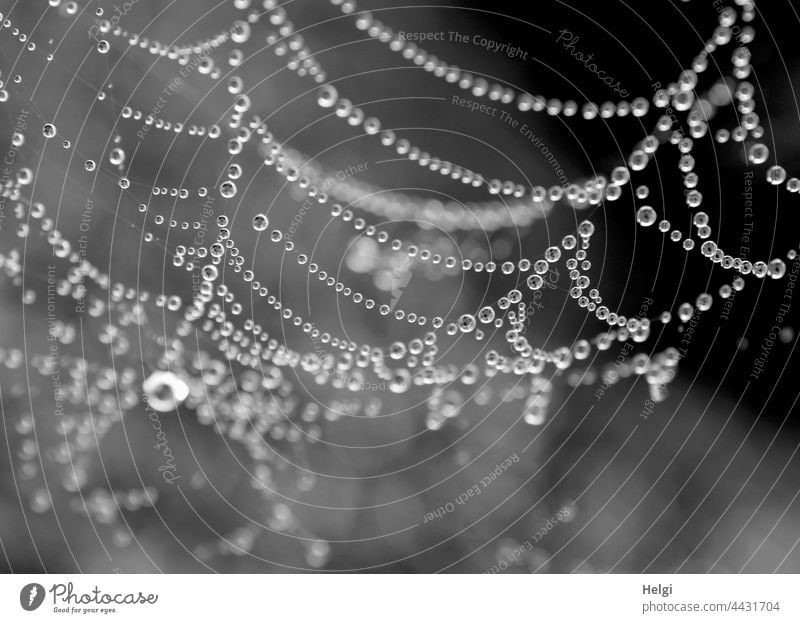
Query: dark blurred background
x=708 y=482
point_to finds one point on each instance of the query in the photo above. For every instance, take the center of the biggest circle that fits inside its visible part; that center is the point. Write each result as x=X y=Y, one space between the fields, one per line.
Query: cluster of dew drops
x=241 y=380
